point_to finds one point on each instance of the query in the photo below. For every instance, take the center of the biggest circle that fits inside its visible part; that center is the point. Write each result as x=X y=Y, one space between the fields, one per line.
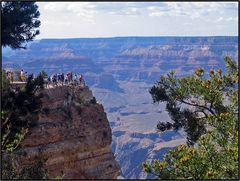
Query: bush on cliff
x=19 y=111
x=12 y=170
x=210 y=121
x=20 y=24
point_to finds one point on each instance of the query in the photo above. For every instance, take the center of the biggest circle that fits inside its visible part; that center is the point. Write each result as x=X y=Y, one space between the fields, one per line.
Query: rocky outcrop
x=73 y=135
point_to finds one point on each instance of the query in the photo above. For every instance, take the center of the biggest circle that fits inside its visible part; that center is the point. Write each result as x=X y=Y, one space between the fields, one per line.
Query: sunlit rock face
x=73 y=135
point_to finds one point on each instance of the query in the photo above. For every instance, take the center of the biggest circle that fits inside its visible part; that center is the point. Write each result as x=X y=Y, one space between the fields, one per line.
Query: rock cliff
x=73 y=135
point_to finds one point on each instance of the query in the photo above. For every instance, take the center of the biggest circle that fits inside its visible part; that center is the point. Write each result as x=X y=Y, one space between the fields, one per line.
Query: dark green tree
x=19 y=111
x=20 y=23
x=43 y=74
x=190 y=99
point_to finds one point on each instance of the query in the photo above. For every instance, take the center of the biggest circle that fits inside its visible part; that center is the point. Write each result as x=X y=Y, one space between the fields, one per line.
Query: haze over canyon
x=120 y=72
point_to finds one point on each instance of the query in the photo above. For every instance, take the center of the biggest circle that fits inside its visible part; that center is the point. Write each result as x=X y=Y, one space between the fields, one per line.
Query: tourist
x=22 y=75
x=81 y=80
x=54 y=79
x=59 y=77
x=66 y=79
x=45 y=81
x=49 y=82
x=8 y=75
x=26 y=76
x=71 y=76
x=62 y=78
x=75 y=79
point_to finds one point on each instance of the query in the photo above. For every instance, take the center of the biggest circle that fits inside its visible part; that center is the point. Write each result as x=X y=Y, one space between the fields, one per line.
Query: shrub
x=12 y=170
x=19 y=110
x=93 y=101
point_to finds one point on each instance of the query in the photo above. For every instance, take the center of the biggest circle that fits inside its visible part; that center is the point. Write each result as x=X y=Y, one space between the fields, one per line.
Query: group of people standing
x=21 y=77
x=62 y=79
x=54 y=80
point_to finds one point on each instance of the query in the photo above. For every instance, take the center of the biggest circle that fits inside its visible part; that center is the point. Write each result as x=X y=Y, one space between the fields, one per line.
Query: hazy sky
x=110 y=19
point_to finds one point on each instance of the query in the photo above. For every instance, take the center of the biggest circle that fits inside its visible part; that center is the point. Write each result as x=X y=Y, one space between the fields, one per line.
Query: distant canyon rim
x=120 y=72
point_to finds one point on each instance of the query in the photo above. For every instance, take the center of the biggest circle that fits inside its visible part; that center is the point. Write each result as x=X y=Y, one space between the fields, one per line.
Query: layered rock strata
x=73 y=135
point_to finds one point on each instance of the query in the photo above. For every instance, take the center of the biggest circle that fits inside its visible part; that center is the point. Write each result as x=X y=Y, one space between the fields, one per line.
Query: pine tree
x=19 y=23
x=210 y=120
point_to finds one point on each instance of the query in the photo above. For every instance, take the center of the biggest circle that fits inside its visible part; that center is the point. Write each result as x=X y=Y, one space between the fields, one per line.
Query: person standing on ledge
x=49 y=82
x=68 y=77
x=75 y=79
x=8 y=75
x=62 y=78
x=26 y=76
x=22 y=75
x=81 y=80
x=71 y=77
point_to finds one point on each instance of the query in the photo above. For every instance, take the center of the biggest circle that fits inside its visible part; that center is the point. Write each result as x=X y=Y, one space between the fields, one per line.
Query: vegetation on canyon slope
x=20 y=23
x=19 y=110
x=210 y=121
x=18 y=114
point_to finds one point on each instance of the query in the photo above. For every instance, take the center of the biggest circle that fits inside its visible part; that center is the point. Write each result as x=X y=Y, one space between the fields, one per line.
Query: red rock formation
x=73 y=135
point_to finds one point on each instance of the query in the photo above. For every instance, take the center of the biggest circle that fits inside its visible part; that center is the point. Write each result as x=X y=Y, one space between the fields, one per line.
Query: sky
x=117 y=19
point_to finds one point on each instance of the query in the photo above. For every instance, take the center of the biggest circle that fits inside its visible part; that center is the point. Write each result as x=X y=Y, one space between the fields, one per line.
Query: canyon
x=120 y=71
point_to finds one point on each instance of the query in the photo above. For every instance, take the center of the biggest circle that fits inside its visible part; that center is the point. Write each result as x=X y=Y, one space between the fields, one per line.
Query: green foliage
x=43 y=74
x=35 y=171
x=9 y=168
x=213 y=157
x=18 y=75
x=80 y=103
x=59 y=177
x=12 y=170
x=210 y=121
x=18 y=137
x=199 y=94
x=19 y=112
x=5 y=82
x=19 y=23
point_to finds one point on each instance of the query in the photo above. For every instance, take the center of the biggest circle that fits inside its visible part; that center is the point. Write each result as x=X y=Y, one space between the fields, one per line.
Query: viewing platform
x=17 y=84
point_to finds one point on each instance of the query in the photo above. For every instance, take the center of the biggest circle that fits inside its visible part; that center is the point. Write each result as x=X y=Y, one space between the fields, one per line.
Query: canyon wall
x=73 y=135
x=120 y=71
